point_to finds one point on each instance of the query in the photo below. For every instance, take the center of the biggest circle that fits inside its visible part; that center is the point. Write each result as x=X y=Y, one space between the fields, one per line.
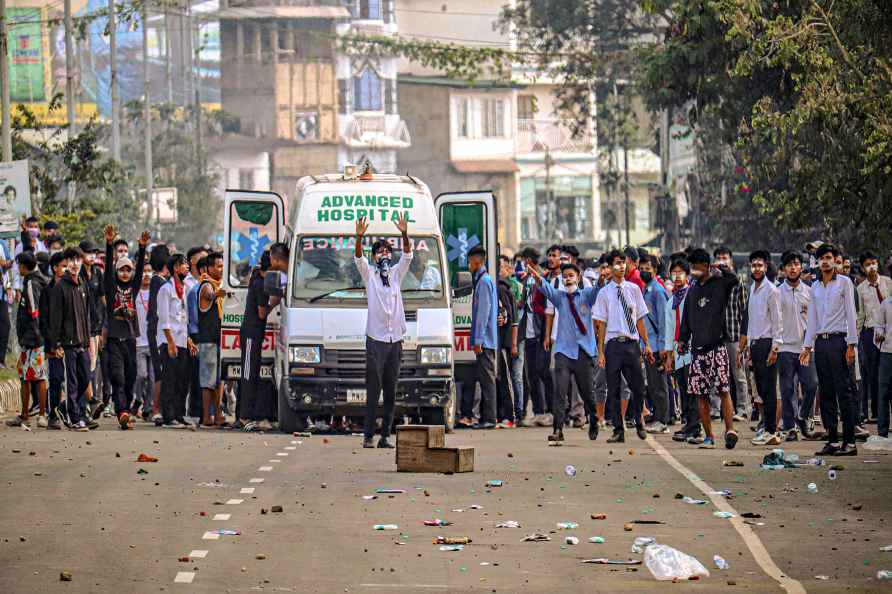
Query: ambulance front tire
x=289 y=420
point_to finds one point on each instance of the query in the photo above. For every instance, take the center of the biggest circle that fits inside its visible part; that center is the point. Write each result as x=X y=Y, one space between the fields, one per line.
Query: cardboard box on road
x=422 y=448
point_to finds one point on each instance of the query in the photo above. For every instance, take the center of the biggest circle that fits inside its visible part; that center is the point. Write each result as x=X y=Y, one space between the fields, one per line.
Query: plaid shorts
x=710 y=371
x=32 y=365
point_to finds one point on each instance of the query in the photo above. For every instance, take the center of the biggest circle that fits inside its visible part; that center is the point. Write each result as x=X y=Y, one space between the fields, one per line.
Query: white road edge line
x=234 y=501
x=184 y=577
x=198 y=553
x=752 y=541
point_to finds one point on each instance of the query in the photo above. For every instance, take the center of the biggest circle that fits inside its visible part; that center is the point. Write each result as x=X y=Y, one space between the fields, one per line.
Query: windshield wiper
x=324 y=295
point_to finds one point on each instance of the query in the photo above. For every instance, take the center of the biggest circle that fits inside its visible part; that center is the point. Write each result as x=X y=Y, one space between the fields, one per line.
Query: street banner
x=15 y=197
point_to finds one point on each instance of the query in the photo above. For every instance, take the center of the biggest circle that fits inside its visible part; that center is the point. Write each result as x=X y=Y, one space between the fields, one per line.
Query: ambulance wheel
x=289 y=419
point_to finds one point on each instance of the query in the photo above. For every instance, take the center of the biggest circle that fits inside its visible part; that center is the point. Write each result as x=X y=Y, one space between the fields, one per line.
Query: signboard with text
x=15 y=197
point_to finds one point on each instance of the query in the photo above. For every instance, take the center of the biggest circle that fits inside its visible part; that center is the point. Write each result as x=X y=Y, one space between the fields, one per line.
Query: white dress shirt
x=386 y=320
x=172 y=316
x=609 y=309
x=868 y=314
x=142 y=312
x=885 y=327
x=832 y=310
x=794 y=315
x=765 y=313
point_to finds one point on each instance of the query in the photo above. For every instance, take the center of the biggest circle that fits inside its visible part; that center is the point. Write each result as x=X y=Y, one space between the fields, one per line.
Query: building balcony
x=552 y=135
x=376 y=131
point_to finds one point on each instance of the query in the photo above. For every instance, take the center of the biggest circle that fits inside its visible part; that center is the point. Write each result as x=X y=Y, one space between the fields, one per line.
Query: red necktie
x=576 y=318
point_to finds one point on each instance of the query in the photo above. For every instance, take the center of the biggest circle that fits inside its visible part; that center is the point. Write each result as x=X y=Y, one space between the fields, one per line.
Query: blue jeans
x=520 y=403
x=884 y=395
x=790 y=370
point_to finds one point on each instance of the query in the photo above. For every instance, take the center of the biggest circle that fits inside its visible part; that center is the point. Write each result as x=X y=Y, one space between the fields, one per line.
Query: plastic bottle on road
x=884 y=574
x=570 y=470
x=812 y=488
x=719 y=562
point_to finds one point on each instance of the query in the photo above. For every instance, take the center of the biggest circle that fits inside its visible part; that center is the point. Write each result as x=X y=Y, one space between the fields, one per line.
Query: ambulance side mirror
x=464 y=285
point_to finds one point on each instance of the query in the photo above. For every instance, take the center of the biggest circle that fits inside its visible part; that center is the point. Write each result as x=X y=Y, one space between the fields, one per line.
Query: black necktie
x=626 y=310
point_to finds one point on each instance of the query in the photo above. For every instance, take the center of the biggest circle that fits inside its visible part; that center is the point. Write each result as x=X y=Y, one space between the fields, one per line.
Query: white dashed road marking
x=281 y=453
x=246 y=491
x=753 y=543
x=211 y=536
x=184 y=577
x=222 y=517
x=234 y=501
x=290 y=447
x=256 y=480
x=265 y=468
x=198 y=554
x=274 y=461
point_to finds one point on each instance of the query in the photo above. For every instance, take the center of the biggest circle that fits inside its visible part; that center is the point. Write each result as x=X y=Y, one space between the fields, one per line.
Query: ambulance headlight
x=436 y=355
x=304 y=354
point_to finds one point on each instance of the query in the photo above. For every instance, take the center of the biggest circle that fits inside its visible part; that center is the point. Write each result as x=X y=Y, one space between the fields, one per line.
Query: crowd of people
x=634 y=340
x=101 y=333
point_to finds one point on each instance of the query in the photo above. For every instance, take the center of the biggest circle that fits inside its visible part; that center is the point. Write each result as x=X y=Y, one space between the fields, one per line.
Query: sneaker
x=91 y=425
x=97 y=411
x=578 y=423
x=548 y=418
x=171 y=425
x=792 y=435
x=158 y=420
x=657 y=427
x=731 y=438
x=847 y=450
x=41 y=422
x=708 y=444
x=367 y=443
x=527 y=423
x=773 y=440
x=81 y=427
x=483 y=426
x=593 y=427
x=695 y=439
x=18 y=421
x=506 y=424
x=679 y=436
x=556 y=436
x=617 y=437
x=739 y=418
x=829 y=449
x=760 y=439
x=53 y=424
x=384 y=444
x=861 y=434
x=265 y=425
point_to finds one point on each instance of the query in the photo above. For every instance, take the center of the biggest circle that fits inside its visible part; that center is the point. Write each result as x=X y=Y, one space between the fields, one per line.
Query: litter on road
x=452 y=540
x=457 y=547
x=723 y=514
x=596 y=540
x=666 y=563
x=567 y=525
x=508 y=524
x=385 y=527
x=535 y=537
x=606 y=561
x=146 y=458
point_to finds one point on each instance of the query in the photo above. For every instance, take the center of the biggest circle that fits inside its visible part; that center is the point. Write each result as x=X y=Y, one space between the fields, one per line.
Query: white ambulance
x=314 y=352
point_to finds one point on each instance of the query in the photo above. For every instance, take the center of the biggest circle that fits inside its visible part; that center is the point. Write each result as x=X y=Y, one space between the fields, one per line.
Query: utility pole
x=147 y=111
x=69 y=70
x=621 y=122
x=168 y=67
x=115 y=99
x=4 y=83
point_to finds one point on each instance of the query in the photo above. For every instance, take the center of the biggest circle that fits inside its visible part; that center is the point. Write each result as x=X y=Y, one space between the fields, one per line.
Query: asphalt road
x=75 y=502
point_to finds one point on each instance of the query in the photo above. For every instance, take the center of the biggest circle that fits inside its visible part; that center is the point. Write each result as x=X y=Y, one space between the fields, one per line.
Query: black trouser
x=485 y=374
x=766 y=382
x=657 y=392
x=836 y=386
x=582 y=369
x=174 y=384
x=624 y=361
x=77 y=379
x=56 y=373
x=504 y=386
x=5 y=326
x=251 y=406
x=538 y=376
x=382 y=370
x=690 y=406
x=195 y=401
x=870 y=377
x=120 y=353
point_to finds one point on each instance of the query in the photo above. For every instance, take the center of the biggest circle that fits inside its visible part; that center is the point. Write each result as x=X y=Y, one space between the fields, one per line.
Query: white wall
x=476 y=146
x=230 y=161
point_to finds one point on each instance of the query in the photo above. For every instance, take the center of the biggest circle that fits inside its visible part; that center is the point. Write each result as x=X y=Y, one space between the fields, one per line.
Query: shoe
x=41 y=421
x=617 y=437
x=760 y=438
x=483 y=426
x=384 y=444
x=548 y=419
x=158 y=420
x=679 y=436
x=731 y=439
x=578 y=423
x=657 y=428
x=828 y=450
x=124 y=421
x=265 y=425
x=171 y=425
x=792 y=435
x=593 y=428
x=62 y=415
x=639 y=430
x=847 y=450
x=97 y=411
x=18 y=421
x=146 y=416
x=53 y=424
x=861 y=434
x=368 y=443
x=813 y=436
x=556 y=436
x=708 y=444
x=738 y=418
x=773 y=440
x=464 y=423
x=527 y=423
x=695 y=439
x=506 y=424
x=81 y=427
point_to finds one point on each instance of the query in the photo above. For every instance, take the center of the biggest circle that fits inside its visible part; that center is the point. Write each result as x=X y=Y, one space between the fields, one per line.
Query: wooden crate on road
x=422 y=448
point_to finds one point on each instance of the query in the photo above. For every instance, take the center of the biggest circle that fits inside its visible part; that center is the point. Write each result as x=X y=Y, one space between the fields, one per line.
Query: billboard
x=15 y=197
x=29 y=58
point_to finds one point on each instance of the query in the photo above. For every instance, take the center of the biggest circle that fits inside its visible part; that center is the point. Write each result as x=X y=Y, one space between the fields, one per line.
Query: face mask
x=34 y=233
x=571 y=287
x=647 y=277
x=384 y=269
x=871 y=268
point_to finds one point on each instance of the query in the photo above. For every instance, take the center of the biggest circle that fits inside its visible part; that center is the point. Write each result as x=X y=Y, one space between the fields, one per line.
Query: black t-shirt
x=252 y=323
x=152 y=315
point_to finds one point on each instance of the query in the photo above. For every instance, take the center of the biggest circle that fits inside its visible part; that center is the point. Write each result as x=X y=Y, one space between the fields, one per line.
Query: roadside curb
x=9 y=396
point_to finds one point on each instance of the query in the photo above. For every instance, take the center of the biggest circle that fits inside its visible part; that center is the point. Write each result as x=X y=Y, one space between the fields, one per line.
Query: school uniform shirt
x=142 y=310
x=794 y=303
x=570 y=338
x=558 y=283
x=764 y=313
x=172 y=316
x=870 y=296
x=655 y=297
x=884 y=328
x=609 y=309
x=484 y=311
x=386 y=320
x=832 y=310
x=673 y=330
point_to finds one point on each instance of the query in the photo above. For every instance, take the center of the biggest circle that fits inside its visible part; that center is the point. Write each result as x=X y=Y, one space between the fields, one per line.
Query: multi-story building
x=305 y=106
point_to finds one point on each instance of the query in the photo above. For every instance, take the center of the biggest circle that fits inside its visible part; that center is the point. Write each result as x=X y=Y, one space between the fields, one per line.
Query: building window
x=246 y=179
x=526 y=107
x=306 y=126
x=555 y=210
x=370 y=10
x=613 y=216
x=367 y=91
x=493 y=118
x=463 y=117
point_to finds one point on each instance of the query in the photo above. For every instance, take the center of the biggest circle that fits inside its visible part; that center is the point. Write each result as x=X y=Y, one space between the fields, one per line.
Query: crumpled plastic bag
x=777 y=460
x=876 y=442
x=666 y=563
